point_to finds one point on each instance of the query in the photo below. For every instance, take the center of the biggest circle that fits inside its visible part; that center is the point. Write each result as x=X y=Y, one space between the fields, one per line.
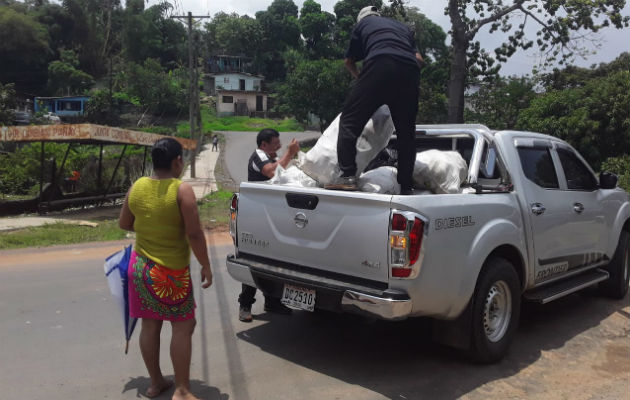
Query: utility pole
x=193 y=91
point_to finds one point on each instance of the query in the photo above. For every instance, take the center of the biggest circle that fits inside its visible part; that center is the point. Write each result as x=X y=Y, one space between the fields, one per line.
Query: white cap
x=367 y=11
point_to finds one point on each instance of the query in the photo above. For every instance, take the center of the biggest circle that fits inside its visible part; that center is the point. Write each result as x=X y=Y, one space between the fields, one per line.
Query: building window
x=69 y=105
x=228 y=99
x=226 y=79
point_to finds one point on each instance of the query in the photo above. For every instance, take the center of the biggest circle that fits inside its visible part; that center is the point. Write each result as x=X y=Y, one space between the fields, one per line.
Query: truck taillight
x=405 y=242
x=415 y=240
x=233 y=213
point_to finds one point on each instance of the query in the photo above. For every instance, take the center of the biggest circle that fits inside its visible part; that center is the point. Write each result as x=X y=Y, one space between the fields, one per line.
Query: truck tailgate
x=340 y=232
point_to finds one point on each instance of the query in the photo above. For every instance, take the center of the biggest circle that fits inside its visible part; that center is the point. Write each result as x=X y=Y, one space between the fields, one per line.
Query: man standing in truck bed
x=390 y=75
x=261 y=166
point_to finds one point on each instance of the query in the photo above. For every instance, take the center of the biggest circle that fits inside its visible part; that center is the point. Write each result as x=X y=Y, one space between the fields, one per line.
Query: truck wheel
x=496 y=310
x=616 y=286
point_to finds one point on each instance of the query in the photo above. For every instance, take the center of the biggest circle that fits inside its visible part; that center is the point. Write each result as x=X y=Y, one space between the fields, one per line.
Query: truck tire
x=616 y=286
x=496 y=310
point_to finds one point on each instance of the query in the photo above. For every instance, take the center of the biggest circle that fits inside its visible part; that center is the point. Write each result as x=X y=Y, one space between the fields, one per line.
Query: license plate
x=298 y=297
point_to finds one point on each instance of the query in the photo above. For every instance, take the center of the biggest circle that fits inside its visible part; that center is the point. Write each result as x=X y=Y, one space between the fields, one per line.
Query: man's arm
x=420 y=59
x=269 y=169
x=351 y=66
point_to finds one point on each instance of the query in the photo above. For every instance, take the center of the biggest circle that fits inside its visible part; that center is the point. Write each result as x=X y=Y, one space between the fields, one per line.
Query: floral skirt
x=158 y=292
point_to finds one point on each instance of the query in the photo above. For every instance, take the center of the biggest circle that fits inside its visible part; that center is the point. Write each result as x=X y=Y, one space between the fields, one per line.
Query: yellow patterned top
x=158 y=224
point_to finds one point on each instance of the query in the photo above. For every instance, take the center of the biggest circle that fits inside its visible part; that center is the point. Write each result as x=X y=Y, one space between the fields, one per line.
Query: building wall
x=232 y=82
x=62 y=106
x=224 y=108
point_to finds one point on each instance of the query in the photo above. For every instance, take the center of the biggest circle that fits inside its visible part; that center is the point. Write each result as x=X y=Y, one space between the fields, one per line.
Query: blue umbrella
x=118 y=285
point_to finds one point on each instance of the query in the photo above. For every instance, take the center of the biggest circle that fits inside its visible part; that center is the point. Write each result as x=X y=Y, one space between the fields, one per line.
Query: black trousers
x=247 y=297
x=383 y=80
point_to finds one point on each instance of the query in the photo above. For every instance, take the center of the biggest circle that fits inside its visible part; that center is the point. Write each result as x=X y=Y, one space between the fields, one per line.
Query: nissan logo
x=300 y=220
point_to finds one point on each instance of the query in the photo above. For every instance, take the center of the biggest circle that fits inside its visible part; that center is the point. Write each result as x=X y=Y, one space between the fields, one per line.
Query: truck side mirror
x=607 y=180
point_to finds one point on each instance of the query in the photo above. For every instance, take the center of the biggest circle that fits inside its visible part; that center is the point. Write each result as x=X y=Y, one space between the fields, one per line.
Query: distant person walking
x=162 y=210
x=390 y=75
x=261 y=166
x=215 y=142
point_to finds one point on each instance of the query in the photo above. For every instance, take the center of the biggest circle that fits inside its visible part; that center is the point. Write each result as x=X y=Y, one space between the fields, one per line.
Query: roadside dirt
x=85 y=251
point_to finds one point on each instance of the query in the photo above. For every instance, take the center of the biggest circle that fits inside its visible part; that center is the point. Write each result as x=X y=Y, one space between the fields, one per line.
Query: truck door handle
x=538 y=208
x=578 y=207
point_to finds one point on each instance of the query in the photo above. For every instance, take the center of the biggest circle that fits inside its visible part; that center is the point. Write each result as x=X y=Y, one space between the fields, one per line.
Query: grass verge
x=214 y=209
x=213 y=123
x=60 y=233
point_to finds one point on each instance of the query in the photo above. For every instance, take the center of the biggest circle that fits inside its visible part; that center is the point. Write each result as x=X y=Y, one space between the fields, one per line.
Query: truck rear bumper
x=333 y=293
x=381 y=307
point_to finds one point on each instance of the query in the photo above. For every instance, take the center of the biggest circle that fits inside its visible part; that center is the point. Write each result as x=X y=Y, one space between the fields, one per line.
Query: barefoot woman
x=163 y=212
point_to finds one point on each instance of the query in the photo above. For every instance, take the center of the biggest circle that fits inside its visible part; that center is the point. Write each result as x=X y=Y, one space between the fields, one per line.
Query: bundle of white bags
x=320 y=162
x=440 y=171
x=434 y=170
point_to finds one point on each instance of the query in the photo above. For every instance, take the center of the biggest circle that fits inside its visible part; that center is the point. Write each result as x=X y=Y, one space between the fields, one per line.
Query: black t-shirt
x=255 y=165
x=376 y=36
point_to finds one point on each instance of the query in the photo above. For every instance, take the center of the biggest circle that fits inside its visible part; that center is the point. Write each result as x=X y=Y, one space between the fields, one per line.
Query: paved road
x=240 y=145
x=61 y=338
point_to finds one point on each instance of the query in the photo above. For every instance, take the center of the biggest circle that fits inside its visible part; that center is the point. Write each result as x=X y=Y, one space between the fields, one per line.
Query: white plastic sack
x=321 y=164
x=440 y=171
x=292 y=176
x=380 y=180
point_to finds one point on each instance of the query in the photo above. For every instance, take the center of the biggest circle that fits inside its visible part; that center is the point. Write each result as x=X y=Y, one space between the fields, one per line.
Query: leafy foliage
x=499 y=103
x=7 y=103
x=281 y=31
x=621 y=167
x=317 y=27
x=151 y=34
x=24 y=49
x=157 y=91
x=64 y=78
x=558 y=25
x=594 y=118
x=317 y=87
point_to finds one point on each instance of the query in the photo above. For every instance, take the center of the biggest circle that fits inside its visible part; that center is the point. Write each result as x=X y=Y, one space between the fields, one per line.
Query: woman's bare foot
x=156 y=390
x=183 y=394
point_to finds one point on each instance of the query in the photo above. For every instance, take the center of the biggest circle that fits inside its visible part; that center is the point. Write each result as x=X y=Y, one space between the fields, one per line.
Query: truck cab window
x=578 y=176
x=538 y=166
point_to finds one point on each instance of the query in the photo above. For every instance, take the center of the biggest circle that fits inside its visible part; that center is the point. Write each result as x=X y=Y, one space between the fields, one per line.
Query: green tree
x=232 y=34
x=317 y=27
x=594 y=118
x=315 y=87
x=94 y=32
x=24 y=50
x=431 y=43
x=7 y=103
x=151 y=34
x=155 y=90
x=499 y=103
x=65 y=78
x=558 y=23
x=572 y=76
x=346 y=12
x=281 y=31
x=619 y=166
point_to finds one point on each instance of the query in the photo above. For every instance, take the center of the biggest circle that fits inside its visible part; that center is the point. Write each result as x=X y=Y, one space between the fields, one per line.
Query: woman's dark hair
x=164 y=151
x=266 y=135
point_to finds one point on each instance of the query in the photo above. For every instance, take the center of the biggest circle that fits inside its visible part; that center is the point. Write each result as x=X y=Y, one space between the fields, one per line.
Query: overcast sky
x=613 y=41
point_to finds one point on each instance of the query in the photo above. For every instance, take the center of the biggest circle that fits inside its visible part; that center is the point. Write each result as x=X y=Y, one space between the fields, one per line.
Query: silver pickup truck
x=533 y=223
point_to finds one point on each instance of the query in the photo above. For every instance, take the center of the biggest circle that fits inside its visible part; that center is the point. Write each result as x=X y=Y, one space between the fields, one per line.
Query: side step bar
x=562 y=288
